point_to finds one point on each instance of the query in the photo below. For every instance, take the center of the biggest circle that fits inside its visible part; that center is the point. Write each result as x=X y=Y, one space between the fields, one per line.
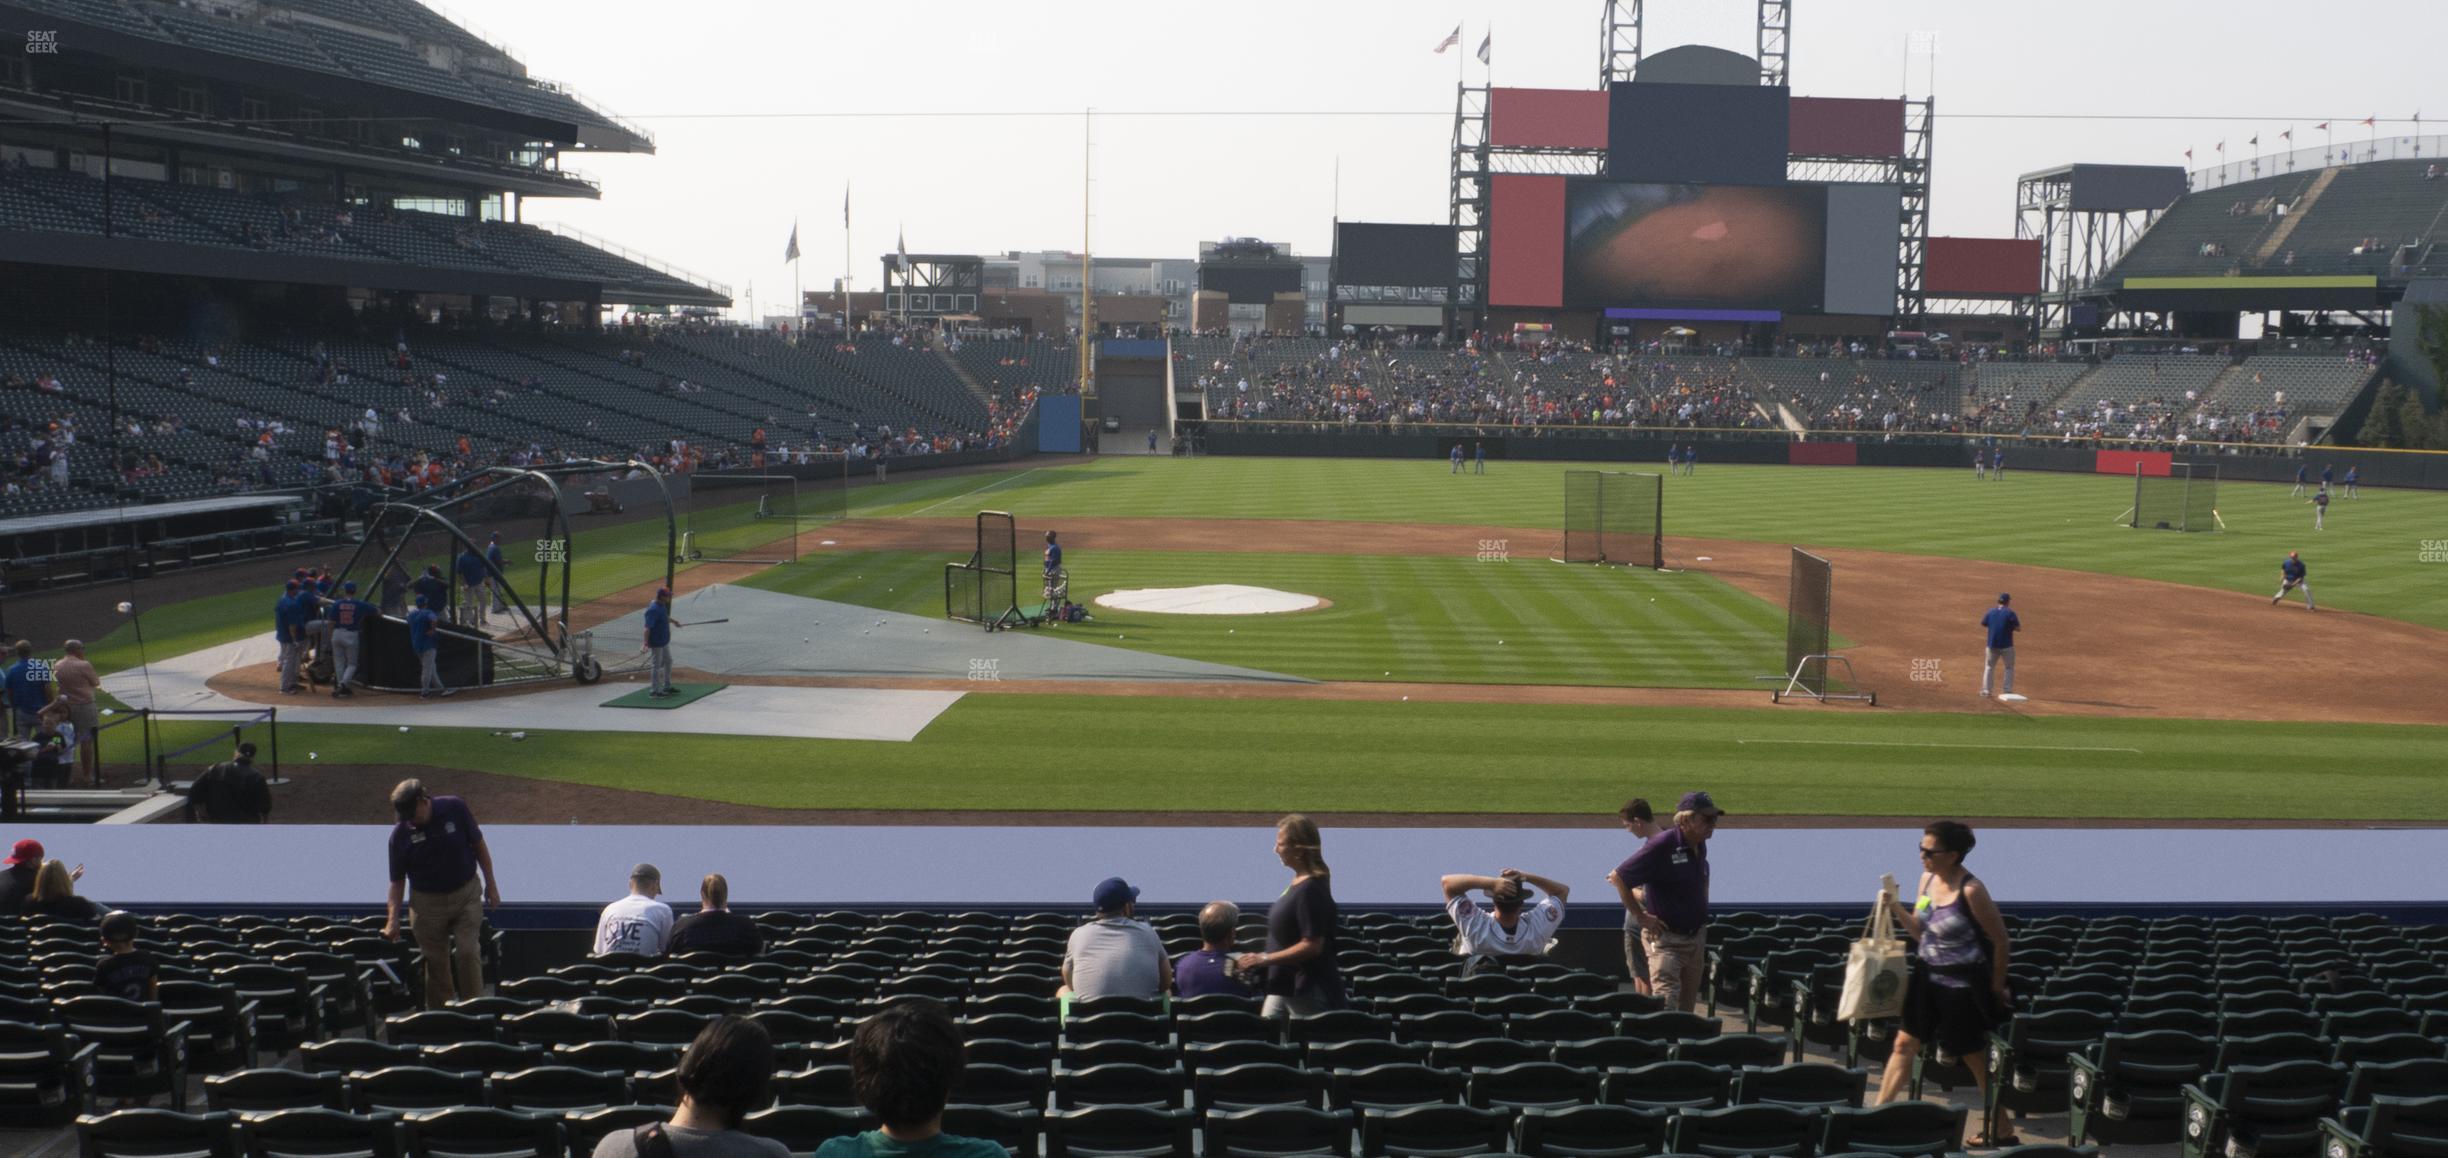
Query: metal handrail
x=616 y=249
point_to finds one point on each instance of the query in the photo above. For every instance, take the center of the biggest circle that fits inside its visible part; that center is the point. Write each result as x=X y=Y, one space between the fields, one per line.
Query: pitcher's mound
x=1212 y=599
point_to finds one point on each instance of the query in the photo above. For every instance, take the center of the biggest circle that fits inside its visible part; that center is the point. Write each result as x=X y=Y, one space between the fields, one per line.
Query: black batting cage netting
x=1614 y=517
x=1809 y=593
x=2185 y=499
x=757 y=517
x=985 y=589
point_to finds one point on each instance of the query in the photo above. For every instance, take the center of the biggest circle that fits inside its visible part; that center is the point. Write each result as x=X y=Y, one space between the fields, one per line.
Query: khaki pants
x=1278 y=1007
x=439 y=920
x=1678 y=962
x=1636 y=956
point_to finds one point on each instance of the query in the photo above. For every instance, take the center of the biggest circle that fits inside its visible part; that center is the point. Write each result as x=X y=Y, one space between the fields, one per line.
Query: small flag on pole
x=1485 y=43
x=2255 y=142
x=2222 y=148
x=2287 y=135
x=1453 y=41
x=845 y=205
x=901 y=242
x=791 y=252
x=2188 y=154
x=2371 y=121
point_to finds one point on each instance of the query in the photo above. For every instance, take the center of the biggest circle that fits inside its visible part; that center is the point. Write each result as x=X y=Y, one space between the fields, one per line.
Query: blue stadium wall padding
x=1151 y=348
x=1058 y=425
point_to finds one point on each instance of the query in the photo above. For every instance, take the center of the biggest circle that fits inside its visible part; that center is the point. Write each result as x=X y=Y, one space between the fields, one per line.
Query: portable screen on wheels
x=986 y=588
x=1808 y=594
x=2185 y=499
x=1614 y=517
x=748 y=518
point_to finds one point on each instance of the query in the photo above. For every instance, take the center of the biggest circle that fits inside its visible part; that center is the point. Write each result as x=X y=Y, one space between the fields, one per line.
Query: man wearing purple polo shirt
x=436 y=849
x=1665 y=886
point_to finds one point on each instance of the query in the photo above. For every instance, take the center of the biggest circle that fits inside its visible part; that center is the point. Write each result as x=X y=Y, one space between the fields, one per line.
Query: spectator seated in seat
x=1115 y=955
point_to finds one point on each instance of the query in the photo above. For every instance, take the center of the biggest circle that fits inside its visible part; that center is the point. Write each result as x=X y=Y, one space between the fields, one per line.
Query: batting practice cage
x=756 y=518
x=985 y=590
x=1810 y=598
x=1615 y=517
x=2184 y=499
x=520 y=552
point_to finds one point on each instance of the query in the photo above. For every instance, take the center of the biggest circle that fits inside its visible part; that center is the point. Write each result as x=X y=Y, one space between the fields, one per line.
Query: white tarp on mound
x=1211 y=599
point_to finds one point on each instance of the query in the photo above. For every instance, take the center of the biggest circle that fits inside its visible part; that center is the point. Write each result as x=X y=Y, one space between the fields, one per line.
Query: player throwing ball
x=2291 y=577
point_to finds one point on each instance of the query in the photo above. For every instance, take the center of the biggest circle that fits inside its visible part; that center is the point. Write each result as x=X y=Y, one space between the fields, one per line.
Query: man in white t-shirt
x=1115 y=955
x=637 y=923
x=1516 y=927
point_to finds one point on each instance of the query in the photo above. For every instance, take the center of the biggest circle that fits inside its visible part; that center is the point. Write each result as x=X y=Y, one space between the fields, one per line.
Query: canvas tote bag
x=1875 y=968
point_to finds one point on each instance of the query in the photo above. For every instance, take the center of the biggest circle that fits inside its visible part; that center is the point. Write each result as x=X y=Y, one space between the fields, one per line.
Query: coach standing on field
x=436 y=849
x=658 y=642
x=1665 y=886
x=2002 y=624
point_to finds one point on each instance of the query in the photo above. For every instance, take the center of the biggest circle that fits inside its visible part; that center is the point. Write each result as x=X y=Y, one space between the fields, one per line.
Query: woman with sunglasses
x=1957 y=991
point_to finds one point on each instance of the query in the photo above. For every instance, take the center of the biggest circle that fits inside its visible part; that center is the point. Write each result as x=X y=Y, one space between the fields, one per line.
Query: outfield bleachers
x=2347 y=219
x=2310 y=384
x=311 y=1025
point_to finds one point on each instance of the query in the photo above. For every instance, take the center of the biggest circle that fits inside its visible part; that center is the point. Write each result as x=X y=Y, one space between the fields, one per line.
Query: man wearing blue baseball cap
x=1115 y=955
x=658 y=643
x=1665 y=887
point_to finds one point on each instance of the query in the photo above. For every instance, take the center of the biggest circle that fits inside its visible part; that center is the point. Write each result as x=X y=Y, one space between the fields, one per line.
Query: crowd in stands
x=1355 y=382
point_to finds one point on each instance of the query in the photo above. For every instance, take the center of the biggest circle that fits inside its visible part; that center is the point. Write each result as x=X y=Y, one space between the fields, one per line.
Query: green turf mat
x=644 y=698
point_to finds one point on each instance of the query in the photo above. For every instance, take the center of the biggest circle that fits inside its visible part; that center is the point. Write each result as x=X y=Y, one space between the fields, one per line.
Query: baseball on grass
x=125 y=607
x=403 y=727
x=313 y=755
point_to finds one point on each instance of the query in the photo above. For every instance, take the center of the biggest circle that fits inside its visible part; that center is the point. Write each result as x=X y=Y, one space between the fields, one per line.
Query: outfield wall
x=1578 y=444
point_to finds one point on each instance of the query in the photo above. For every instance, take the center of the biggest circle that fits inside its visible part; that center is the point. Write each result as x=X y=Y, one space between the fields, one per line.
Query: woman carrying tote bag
x=1957 y=991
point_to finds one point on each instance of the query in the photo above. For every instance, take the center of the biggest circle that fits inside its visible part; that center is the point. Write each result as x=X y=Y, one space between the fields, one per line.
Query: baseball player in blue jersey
x=2303 y=478
x=659 y=626
x=2328 y=472
x=1481 y=465
x=289 y=626
x=2291 y=576
x=349 y=616
x=2354 y=482
x=2320 y=507
x=472 y=585
x=1456 y=458
x=1997 y=465
x=499 y=572
x=2002 y=624
x=1691 y=458
x=422 y=625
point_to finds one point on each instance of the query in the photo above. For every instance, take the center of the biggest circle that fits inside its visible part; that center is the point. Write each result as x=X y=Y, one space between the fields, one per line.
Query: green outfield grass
x=2365 y=561
x=1028 y=752
x=1458 y=619
x=1436 y=619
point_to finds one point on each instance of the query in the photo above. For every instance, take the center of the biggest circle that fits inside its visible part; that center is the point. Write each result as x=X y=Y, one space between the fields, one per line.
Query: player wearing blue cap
x=2354 y=482
x=348 y=617
x=421 y=625
x=289 y=627
x=498 y=578
x=472 y=586
x=658 y=642
x=2002 y=624
x=2292 y=576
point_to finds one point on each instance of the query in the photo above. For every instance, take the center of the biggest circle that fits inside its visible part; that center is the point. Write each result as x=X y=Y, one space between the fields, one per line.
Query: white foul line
x=1899 y=744
x=965 y=494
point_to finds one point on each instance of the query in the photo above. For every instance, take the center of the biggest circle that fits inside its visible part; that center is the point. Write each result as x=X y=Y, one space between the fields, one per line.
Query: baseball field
x=1455 y=668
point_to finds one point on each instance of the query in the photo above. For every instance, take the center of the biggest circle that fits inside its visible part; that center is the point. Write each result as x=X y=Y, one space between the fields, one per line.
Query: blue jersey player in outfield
x=1456 y=458
x=2303 y=478
x=1997 y=465
x=2292 y=576
x=2354 y=482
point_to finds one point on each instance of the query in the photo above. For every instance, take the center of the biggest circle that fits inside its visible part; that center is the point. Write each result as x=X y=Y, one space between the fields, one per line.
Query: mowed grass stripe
x=2365 y=560
x=1024 y=752
x=1435 y=619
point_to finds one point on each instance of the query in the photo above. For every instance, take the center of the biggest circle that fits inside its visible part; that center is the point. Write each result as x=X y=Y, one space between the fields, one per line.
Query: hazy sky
x=763 y=109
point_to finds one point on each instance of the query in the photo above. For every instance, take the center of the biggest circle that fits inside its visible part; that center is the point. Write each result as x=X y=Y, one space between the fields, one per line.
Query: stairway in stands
x=2277 y=237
